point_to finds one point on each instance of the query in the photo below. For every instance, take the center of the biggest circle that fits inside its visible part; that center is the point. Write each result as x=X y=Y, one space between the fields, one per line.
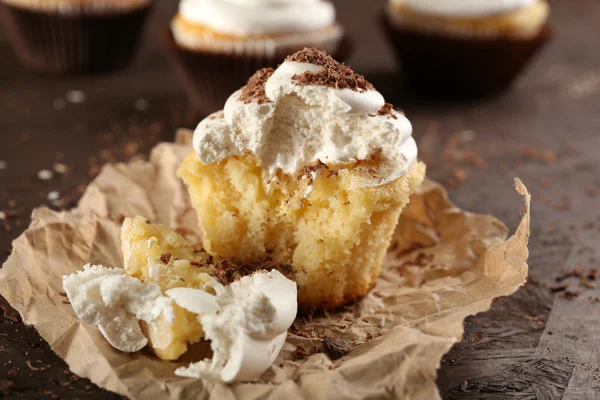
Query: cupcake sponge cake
x=308 y=166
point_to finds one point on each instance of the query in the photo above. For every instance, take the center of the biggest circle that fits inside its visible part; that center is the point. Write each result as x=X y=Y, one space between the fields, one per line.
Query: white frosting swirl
x=259 y=17
x=465 y=8
x=303 y=124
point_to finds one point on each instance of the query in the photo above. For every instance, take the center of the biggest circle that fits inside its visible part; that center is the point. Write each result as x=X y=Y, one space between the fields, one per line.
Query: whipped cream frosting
x=465 y=8
x=259 y=17
x=246 y=321
x=299 y=124
x=115 y=303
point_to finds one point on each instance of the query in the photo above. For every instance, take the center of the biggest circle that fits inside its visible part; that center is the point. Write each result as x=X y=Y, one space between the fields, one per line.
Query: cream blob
x=303 y=124
x=256 y=17
x=465 y=8
x=115 y=302
x=247 y=325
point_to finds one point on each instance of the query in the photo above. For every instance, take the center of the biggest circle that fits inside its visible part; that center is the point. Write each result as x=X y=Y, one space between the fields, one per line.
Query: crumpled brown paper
x=443 y=265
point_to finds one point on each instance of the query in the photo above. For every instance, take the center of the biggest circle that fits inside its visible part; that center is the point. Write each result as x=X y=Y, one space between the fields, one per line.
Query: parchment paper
x=443 y=265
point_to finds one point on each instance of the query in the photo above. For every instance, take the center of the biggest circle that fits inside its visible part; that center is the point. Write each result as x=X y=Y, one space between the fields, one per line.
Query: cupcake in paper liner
x=74 y=36
x=218 y=44
x=465 y=48
x=307 y=167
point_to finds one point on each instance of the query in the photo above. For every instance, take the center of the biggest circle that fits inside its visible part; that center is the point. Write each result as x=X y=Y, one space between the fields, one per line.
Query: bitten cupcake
x=74 y=36
x=465 y=48
x=219 y=44
x=307 y=166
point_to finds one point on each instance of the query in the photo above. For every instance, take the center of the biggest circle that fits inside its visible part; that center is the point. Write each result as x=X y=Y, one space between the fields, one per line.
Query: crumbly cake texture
x=154 y=253
x=254 y=90
x=334 y=74
x=522 y=23
x=334 y=241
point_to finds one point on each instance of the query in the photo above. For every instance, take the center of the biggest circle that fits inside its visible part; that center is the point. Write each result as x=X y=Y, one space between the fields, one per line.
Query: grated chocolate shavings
x=307 y=170
x=387 y=109
x=254 y=91
x=228 y=271
x=336 y=348
x=333 y=74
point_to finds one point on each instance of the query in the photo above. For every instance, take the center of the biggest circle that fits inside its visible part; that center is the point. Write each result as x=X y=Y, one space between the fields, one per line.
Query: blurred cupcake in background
x=74 y=36
x=465 y=48
x=219 y=44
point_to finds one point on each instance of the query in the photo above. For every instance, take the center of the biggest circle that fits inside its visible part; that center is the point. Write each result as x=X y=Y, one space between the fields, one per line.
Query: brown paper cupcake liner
x=461 y=67
x=210 y=77
x=55 y=43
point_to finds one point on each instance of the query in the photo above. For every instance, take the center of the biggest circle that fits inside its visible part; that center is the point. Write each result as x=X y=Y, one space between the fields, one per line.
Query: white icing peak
x=303 y=124
x=115 y=302
x=465 y=8
x=247 y=324
x=259 y=17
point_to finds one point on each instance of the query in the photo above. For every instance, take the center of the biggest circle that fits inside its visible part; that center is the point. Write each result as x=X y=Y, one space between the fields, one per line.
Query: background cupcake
x=465 y=48
x=74 y=36
x=219 y=44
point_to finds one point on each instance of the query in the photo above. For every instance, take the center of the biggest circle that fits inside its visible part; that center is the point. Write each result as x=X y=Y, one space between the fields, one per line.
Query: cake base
x=334 y=241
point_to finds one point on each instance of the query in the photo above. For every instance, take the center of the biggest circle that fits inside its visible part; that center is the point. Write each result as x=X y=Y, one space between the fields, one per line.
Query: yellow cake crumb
x=154 y=253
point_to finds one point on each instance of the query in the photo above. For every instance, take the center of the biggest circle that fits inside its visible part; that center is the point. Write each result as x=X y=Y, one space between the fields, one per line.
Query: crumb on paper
x=45 y=175
x=336 y=348
x=141 y=105
x=75 y=96
x=53 y=195
x=60 y=168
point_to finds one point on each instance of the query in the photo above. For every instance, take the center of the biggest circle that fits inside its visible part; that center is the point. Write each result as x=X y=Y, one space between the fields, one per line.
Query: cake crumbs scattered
x=141 y=105
x=533 y=153
x=336 y=348
x=53 y=195
x=60 y=168
x=45 y=175
x=75 y=96
x=334 y=74
x=301 y=352
x=570 y=294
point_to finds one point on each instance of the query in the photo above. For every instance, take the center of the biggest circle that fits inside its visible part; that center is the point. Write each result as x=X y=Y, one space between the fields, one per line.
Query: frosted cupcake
x=465 y=48
x=218 y=44
x=307 y=166
x=74 y=36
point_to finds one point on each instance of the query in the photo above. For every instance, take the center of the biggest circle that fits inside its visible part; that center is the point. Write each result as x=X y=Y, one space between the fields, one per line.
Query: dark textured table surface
x=543 y=342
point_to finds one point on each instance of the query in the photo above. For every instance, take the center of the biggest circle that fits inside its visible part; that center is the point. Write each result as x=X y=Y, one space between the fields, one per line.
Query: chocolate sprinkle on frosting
x=334 y=74
x=387 y=109
x=254 y=91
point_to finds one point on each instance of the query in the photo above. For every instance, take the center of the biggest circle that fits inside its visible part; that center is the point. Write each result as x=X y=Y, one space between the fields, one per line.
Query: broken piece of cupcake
x=298 y=185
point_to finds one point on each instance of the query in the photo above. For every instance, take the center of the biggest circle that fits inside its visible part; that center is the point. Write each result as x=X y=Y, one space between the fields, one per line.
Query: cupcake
x=306 y=166
x=218 y=44
x=465 y=48
x=74 y=36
